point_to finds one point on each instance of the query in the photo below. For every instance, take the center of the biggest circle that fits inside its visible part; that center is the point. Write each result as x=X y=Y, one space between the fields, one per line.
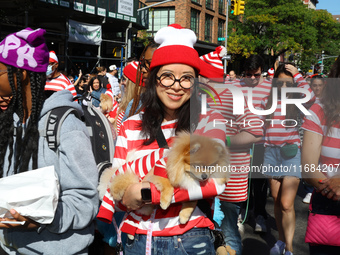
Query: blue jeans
x=276 y=165
x=194 y=241
x=229 y=225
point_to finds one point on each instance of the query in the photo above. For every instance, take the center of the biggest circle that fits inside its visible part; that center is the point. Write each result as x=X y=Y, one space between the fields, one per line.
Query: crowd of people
x=158 y=97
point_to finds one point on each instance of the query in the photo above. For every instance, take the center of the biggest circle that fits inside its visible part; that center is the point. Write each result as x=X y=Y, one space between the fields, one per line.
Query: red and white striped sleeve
x=196 y=192
x=302 y=83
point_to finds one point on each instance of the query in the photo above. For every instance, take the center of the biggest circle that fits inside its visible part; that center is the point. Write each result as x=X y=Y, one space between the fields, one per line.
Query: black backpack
x=101 y=132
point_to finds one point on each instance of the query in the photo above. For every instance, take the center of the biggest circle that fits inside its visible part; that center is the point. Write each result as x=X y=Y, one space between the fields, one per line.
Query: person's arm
x=15 y=217
x=311 y=150
x=243 y=140
x=79 y=77
x=200 y=190
x=331 y=187
x=78 y=179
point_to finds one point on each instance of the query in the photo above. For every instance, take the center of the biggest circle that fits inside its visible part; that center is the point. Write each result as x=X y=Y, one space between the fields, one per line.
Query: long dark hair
x=330 y=96
x=292 y=111
x=26 y=147
x=187 y=115
x=91 y=83
x=139 y=89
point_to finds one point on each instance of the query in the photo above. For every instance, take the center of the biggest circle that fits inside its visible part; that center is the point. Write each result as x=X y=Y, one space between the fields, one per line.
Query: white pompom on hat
x=53 y=57
x=176 y=47
x=271 y=71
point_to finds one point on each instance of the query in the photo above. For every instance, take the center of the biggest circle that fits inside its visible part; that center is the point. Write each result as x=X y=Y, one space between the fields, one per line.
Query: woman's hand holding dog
x=132 y=198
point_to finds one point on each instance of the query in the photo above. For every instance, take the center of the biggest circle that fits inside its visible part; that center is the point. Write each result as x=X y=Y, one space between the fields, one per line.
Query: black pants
x=324 y=250
x=258 y=184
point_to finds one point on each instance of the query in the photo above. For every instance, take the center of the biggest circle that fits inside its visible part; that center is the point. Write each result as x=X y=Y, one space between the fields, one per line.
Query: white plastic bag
x=33 y=194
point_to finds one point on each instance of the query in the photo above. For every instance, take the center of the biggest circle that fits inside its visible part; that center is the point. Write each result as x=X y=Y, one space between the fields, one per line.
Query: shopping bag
x=33 y=194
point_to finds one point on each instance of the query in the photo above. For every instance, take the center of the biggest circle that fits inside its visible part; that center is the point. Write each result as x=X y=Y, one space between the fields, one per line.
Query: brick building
x=205 y=17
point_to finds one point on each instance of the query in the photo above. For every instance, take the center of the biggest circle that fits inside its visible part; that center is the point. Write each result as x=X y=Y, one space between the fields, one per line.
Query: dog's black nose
x=204 y=176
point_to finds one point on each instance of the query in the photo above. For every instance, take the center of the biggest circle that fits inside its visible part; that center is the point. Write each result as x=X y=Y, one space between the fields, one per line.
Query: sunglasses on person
x=281 y=83
x=6 y=99
x=168 y=79
x=145 y=63
x=256 y=75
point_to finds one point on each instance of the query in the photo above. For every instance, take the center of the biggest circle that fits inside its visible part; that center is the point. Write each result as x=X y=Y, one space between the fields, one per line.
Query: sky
x=332 y=6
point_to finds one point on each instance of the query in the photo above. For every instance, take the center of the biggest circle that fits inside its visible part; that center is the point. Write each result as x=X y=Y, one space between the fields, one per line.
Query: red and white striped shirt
x=119 y=120
x=280 y=132
x=260 y=91
x=166 y=222
x=237 y=186
x=330 y=147
x=60 y=83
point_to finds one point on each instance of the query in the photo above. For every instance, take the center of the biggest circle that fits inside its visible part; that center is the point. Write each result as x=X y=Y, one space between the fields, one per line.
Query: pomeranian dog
x=192 y=159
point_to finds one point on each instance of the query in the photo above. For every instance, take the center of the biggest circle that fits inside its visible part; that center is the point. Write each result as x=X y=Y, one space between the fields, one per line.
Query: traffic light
x=233 y=6
x=240 y=7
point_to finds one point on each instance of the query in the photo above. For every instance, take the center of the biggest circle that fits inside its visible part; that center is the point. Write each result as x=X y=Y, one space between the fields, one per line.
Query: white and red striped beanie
x=211 y=64
x=271 y=72
x=130 y=71
x=176 y=47
x=53 y=57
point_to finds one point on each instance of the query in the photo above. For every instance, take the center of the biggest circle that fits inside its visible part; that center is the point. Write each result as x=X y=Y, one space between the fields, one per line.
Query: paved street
x=255 y=244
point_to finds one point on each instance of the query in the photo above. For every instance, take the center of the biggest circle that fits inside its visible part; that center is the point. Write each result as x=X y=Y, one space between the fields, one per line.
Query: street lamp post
x=226 y=57
x=322 y=58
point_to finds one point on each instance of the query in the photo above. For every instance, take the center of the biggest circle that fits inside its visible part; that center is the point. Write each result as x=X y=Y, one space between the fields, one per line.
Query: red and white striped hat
x=130 y=71
x=176 y=47
x=271 y=72
x=53 y=57
x=211 y=64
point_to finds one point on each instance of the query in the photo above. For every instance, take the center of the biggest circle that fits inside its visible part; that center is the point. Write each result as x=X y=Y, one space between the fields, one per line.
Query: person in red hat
x=270 y=74
x=169 y=105
x=56 y=81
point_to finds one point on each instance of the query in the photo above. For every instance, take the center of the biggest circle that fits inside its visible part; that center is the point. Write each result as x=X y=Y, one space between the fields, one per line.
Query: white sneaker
x=260 y=225
x=307 y=198
x=288 y=253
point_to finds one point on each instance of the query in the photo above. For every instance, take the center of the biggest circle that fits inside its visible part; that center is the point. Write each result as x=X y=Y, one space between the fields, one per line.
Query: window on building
x=195 y=21
x=160 y=17
x=221 y=6
x=196 y=1
x=208 y=28
x=221 y=28
x=209 y=4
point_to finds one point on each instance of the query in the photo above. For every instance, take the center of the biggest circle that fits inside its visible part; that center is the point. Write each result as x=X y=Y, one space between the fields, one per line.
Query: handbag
x=323 y=226
x=289 y=150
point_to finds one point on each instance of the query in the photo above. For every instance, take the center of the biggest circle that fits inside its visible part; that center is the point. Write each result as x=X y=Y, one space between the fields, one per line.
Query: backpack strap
x=54 y=120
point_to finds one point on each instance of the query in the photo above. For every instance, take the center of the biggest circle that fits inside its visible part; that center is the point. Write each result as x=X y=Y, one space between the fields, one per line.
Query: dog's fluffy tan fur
x=191 y=160
x=106 y=103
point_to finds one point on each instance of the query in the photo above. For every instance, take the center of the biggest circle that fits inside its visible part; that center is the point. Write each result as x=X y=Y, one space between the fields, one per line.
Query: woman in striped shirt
x=170 y=102
x=282 y=156
x=321 y=158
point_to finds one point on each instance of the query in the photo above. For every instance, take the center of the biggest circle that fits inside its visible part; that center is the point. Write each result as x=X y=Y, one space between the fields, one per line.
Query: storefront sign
x=125 y=7
x=84 y=33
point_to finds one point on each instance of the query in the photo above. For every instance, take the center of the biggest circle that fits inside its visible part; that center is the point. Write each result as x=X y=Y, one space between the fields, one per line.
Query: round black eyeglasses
x=168 y=80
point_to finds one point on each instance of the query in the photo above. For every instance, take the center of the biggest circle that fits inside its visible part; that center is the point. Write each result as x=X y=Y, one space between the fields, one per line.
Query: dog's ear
x=194 y=148
x=219 y=148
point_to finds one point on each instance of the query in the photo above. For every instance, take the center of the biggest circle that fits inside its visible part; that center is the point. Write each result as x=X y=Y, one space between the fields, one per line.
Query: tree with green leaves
x=275 y=27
